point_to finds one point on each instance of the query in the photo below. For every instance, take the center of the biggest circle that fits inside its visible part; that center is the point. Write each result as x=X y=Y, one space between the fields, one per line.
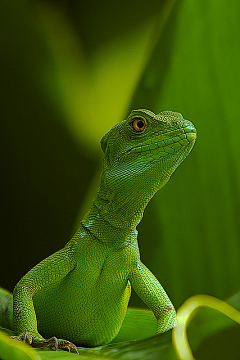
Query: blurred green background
x=72 y=69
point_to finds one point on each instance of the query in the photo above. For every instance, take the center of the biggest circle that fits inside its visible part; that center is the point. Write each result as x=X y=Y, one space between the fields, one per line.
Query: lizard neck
x=114 y=216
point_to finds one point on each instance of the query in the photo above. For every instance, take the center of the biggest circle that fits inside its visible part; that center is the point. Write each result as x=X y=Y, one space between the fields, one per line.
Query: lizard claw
x=56 y=344
x=25 y=338
x=52 y=343
x=65 y=344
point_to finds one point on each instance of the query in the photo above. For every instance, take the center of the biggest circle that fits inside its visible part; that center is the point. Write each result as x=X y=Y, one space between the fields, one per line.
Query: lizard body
x=81 y=292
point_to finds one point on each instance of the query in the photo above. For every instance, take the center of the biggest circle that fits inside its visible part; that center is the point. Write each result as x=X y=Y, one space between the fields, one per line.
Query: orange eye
x=138 y=124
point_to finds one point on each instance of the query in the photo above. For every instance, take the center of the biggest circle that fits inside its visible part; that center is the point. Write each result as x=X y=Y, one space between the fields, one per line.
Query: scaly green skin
x=81 y=292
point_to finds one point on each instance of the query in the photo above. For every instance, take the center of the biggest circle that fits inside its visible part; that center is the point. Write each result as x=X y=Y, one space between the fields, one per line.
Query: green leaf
x=97 y=83
x=16 y=350
x=180 y=340
x=156 y=347
x=138 y=324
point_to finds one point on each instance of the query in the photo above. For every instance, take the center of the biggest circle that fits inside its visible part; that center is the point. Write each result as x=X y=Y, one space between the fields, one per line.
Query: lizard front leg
x=53 y=268
x=154 y=296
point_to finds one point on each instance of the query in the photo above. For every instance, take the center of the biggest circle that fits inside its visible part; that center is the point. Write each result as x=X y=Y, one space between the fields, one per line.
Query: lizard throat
x=105 y=230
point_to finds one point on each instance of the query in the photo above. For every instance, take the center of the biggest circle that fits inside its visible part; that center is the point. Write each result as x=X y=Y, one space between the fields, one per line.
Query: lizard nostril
x=191 y=136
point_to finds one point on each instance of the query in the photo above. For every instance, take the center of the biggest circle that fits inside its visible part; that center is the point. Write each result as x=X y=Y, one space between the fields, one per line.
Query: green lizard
x=81 y=292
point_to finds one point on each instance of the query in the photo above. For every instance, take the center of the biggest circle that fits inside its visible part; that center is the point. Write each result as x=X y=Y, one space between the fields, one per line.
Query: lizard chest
x=96 y=274
x=86 y=300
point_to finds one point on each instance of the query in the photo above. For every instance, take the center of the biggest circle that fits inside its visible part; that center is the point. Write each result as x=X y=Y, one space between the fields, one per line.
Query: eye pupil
x=138 y=124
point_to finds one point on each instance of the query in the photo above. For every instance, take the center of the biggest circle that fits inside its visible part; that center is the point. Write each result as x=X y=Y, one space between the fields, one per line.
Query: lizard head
x=142 y=152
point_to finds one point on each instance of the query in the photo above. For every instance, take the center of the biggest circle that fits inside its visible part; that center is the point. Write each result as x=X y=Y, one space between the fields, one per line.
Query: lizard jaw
x=175 y=142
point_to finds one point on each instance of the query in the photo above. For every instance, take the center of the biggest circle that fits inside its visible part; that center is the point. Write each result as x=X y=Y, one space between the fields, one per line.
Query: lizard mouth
x=173 y=142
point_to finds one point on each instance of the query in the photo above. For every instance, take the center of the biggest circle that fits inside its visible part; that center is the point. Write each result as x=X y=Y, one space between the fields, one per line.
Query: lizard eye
x=138 y=124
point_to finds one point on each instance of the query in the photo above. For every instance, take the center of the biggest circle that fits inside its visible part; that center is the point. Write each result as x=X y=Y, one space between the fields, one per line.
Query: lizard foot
x=40 y=342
